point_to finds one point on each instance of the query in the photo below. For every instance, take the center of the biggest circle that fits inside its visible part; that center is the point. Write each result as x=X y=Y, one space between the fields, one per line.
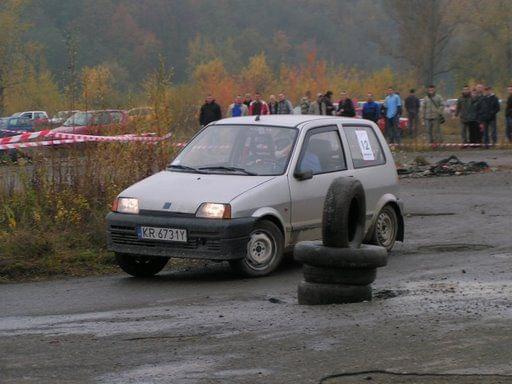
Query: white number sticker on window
x=364 y=144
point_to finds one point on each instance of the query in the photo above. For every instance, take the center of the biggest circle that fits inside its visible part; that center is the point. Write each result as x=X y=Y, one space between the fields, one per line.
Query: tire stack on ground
x=339 y=269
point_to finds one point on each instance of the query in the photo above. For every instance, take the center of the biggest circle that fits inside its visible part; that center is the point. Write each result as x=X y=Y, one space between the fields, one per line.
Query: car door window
x=365 y=147
x=322 y=152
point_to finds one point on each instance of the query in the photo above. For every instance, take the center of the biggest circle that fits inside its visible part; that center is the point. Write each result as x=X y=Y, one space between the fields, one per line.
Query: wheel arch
x=274 y=217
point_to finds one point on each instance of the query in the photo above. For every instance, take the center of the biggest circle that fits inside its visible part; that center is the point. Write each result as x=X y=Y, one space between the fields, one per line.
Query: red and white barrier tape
x=57 y=138
x=441 y=145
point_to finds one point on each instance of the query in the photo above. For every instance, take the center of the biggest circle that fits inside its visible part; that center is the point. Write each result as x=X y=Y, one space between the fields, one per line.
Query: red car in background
x=94 y=122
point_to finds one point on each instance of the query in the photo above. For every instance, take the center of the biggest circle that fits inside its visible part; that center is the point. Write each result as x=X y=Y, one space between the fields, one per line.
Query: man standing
x=508 y=115
x=494 y=105
x=412 y=106
x=371 y=109
x=486 y=111
x=466 y=113
x=393 y=107
x=345 y=106
x=258 y=106
x=329 y=107
x=433 y=109
x=284 y=106
x=305 y=103
x=210 y=111
x=318 y=107
x=247 y=100
x=238 y=108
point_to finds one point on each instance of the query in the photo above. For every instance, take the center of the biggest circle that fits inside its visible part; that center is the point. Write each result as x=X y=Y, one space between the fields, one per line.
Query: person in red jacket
x=258 y=106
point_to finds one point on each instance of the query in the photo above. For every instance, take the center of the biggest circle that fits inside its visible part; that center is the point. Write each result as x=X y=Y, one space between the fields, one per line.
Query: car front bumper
x=210 y=239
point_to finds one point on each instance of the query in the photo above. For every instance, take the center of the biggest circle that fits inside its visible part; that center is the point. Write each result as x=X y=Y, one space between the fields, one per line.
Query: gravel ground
x=443 y=305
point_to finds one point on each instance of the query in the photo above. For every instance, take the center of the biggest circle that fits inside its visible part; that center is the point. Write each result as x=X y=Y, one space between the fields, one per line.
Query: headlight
x=214 y=211
x=126 y=205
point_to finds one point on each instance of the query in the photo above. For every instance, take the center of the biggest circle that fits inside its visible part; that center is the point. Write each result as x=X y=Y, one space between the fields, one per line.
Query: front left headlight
x=126 y=205
x=214 y=211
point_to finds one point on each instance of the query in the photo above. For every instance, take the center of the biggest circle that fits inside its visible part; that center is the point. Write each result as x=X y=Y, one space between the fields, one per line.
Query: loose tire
x=264 y=251
x=321 y=294
x=141 y=266
x=344 y=214
x=386 y=228
x=323 y=275
x=316 y=254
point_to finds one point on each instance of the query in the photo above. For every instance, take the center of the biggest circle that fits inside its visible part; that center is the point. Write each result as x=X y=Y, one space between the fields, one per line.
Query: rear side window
x=364 y=146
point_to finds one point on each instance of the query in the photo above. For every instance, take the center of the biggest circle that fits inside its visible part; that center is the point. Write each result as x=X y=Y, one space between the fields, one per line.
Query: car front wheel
x=264 y=251
x=141 y=266
x=386 y=228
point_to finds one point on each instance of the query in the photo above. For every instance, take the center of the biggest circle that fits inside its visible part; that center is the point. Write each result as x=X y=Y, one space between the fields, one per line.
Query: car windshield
x=245 y=150
x=79 y=118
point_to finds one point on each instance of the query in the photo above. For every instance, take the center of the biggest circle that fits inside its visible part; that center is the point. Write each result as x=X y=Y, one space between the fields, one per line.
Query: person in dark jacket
x=371 y=109
x=329 y=106
x=487 y=108
x=345 y=106
x=475 y=136
x=412 y=106
x=247 y=100
x=494 y=103
x=508 y=115
x=465 y=112
x=210 y=111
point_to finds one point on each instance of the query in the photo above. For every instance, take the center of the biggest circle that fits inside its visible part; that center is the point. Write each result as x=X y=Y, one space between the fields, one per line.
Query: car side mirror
x=304 y=175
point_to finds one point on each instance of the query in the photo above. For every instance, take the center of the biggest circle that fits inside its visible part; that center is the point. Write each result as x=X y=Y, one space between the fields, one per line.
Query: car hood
x=187 y=191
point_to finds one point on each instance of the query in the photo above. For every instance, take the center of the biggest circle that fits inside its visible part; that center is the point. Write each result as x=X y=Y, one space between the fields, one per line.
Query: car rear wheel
x=141 y=266
x=264 y=251
x=386 y=228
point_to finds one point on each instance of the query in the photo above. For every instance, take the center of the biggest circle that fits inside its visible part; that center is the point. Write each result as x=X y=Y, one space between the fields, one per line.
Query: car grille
x=124 y=235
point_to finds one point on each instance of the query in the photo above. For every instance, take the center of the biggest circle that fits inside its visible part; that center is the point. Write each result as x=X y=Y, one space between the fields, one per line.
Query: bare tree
x=420 y=35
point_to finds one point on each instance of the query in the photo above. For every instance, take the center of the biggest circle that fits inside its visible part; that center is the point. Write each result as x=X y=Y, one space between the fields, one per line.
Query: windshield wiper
x=231 y=169
x=184 y=167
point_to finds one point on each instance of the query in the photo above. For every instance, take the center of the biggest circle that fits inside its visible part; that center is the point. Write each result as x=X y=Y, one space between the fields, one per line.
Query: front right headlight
x=126 y=205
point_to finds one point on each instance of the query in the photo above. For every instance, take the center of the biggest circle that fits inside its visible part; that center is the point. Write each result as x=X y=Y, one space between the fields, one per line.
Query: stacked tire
x=339 y=269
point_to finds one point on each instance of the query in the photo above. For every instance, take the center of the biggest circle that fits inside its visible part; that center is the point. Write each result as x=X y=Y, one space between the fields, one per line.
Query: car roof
x=284 y=120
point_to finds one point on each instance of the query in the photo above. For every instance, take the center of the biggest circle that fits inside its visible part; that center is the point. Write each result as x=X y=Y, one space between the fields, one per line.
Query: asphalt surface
x=443 y=305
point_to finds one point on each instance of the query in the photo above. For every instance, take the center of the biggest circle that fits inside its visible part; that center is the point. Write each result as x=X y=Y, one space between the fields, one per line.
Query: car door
x=369 y=163
x=321 y=159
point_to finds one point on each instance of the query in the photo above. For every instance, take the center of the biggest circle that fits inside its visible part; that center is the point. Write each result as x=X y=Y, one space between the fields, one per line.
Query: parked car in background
x=60 y=117
x=93 y=122
x=14 y=125
x=39 y=118
x=141 y=113
x=246 y=189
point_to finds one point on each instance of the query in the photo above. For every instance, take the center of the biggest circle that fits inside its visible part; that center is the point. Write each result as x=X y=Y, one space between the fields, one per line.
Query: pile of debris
x=451 y=166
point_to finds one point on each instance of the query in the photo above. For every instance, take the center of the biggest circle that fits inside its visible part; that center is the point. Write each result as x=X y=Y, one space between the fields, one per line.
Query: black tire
x=322 y=294
x=316 y=254
x=385 y=230
x=344 y=214
x=141 y=266
x=322 y=275
x=267 y=236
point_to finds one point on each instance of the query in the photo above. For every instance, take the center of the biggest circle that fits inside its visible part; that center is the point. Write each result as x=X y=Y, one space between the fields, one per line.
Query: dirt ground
x=442 y=310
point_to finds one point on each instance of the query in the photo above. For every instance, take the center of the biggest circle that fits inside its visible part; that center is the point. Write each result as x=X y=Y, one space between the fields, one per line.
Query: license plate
x=163 y=234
